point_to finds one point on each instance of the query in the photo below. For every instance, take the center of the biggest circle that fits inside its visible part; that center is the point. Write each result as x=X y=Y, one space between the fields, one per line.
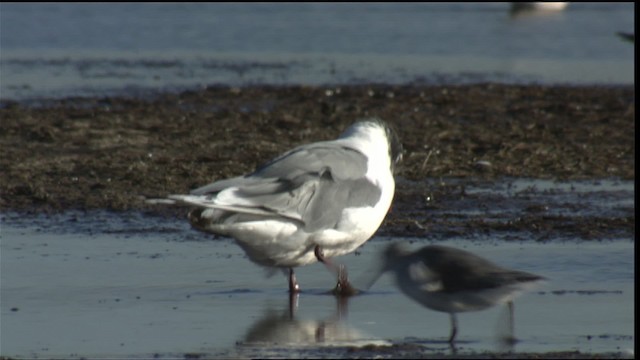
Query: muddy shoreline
x=109 y=153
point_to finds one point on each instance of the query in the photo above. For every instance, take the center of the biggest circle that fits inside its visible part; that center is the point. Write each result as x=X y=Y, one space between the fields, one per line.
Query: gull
x=542 y=8
x=452 y=280
x=539 y=6
x=631 y=37
x=309 y=204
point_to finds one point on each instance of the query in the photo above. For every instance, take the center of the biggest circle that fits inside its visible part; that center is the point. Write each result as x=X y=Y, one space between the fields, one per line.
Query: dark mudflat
x=109 y=153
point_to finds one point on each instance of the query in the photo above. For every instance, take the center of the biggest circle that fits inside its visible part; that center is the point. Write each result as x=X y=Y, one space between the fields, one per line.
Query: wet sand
x=108 y=153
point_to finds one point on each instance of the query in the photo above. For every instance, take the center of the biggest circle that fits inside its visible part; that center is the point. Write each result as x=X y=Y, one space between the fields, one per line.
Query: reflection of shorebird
x=452 y=280
x=318 y=200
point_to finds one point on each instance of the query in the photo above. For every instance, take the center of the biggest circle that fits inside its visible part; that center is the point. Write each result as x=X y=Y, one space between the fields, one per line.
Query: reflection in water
x=284 y=327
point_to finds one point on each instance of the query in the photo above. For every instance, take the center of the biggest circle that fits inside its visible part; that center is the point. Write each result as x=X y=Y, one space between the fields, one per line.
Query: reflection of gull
x=451 y=280
x=285 y=328
x=317 y=200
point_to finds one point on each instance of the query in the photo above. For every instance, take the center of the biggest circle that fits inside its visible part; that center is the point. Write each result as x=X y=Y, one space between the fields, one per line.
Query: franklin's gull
x=313 y=202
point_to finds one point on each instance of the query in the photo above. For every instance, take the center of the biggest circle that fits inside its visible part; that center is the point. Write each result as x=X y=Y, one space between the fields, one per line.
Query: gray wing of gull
x=311 y=183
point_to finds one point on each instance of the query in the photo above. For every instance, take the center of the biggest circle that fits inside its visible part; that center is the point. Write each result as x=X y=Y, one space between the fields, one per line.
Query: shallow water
x=58 y=50
x=106 y=295
x=100 y=284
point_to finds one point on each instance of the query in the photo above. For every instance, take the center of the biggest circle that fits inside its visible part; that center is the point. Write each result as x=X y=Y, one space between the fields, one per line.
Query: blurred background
x=70 y=49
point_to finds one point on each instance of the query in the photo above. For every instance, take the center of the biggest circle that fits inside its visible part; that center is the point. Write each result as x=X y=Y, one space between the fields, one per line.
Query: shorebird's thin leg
x=452 y=348
x=294 y=288
x=511 y=322
x=454 y=327
x=343 y=287
x=507 y=340
x=511 y=337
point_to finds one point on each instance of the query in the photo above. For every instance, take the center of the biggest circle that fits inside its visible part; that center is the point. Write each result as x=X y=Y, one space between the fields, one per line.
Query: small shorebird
x=313 y=202
x=451 y=280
